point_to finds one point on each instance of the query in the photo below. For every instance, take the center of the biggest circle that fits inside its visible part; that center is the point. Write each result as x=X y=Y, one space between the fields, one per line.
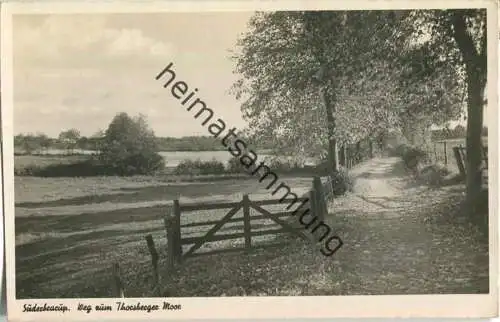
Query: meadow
x=69 y=231
x=23 y=161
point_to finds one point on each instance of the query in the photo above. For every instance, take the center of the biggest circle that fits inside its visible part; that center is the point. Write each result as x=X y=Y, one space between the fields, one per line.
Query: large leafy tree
x=69 y=139
x=43 y=140
x=309 y=78
x=459 y=37
x=431 y=91
x=303 y=74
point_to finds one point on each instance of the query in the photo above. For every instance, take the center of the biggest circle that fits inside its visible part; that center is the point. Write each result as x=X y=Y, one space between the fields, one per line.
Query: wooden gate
x=460 y=157
x=177 y=241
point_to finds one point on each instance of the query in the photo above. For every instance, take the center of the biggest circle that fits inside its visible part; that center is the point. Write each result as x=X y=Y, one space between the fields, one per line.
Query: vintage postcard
x=250 y=159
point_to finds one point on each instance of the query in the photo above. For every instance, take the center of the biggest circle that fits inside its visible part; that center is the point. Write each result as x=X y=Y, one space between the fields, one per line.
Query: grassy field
x=23 y=161
x=69 y=231
x=398 y=239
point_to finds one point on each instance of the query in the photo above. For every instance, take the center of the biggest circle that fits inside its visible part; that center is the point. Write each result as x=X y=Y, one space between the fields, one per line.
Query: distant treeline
x=72 y=141
x=459 y=132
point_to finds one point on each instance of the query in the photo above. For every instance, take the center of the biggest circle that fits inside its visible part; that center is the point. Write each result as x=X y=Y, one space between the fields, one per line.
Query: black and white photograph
x=257 y=152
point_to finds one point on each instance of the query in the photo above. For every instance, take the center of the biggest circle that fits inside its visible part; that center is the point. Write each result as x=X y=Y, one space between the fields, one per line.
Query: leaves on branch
x=407 y=69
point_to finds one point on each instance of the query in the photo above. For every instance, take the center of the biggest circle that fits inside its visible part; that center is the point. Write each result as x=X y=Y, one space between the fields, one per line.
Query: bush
x=284 y=166
x=275 y=164
x=129 y=147
x=212 y=167
x=147 y=162
x=234 y=166
x=433 y=175
x=401 y=150
x=29 y=170
x=413 y=157
x=342 y=182
x=198 y=167
x=93 y=166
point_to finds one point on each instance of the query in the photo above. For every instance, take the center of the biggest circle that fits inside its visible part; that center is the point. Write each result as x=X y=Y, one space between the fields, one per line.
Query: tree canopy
x=373 y=80
x=313 y=79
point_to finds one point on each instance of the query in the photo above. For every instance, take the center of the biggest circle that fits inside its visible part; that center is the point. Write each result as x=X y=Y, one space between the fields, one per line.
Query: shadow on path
x=403 y=238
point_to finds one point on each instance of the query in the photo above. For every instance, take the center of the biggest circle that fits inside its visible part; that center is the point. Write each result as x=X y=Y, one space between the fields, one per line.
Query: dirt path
x=382 y=189
x=379 y=177
x=403 y=238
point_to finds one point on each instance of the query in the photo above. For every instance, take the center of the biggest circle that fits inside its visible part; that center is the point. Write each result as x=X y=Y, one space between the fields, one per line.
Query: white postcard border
x=484 y=305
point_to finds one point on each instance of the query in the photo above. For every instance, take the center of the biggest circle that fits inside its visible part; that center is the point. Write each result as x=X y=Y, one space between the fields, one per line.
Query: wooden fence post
x=329 y=186
x=370 y=142
x=358 y=152
x=435 y=152
x=169 y=227
x=445 y=154
x=246 y=222
x=177 y=231
x=463 y=153
x=320 y=201
x=313 y=202
x=460 y=161
x=350 y=155
x=117 y=282
x=154 y=259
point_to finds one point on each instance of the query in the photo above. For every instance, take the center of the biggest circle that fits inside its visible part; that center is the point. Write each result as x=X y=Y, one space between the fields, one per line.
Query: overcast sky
x=79 y=70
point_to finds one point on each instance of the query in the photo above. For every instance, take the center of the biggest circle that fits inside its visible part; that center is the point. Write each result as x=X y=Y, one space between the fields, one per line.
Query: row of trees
x=40 y=142
x=317 y=80
x=127 y=147
x=67 y=140
x=71 y=140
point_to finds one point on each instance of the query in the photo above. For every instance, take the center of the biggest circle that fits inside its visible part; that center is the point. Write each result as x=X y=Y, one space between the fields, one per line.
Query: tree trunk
x=475 y=92
x=333 y=160
x=476 y=67
x=347 y=156
x=320 y=50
